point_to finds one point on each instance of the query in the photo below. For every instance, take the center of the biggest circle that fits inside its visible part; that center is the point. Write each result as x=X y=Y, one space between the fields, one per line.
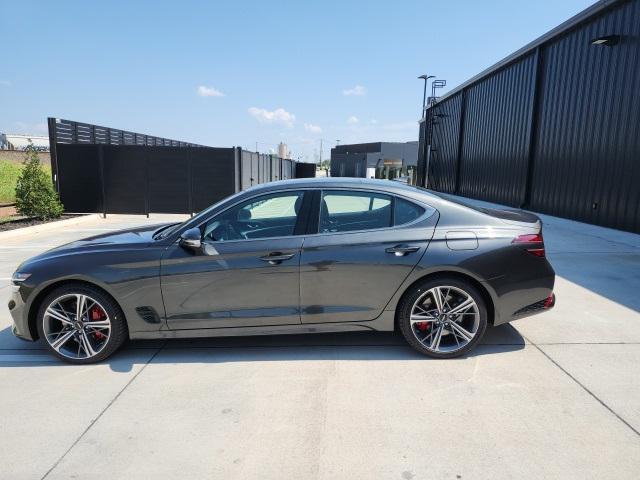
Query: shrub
x=35 y=196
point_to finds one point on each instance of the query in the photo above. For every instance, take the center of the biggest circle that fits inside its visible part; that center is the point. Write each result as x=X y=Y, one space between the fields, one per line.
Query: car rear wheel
x=443 y=317
x=81 y=324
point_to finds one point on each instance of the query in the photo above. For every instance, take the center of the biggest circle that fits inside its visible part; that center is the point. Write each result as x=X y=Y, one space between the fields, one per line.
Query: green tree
x=35 y=196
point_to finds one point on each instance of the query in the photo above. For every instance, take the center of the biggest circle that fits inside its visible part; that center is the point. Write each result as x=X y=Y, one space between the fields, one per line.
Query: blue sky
x=237 y=73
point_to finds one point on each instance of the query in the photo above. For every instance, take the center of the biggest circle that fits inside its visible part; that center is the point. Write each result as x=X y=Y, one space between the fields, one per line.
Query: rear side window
x=342 y=211
x=405 y=212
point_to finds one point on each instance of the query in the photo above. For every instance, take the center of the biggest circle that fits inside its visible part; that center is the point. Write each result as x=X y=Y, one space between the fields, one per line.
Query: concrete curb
x=18 y=232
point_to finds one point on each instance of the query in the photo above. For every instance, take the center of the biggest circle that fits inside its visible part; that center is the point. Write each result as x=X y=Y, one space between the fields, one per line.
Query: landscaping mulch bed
x=12 y=223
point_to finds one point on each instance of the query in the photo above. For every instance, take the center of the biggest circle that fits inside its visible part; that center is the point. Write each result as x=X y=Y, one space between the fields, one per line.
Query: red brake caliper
x=423 y=326
x=97 y=314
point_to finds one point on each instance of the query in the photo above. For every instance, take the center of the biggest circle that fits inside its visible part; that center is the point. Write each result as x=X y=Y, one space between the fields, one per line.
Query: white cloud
x=24 y=128
x=209 y=92
x=5 y=83
x=373 y=121
x=277 y=116
x=352 y=120
x=358 y=91
x=309 y=127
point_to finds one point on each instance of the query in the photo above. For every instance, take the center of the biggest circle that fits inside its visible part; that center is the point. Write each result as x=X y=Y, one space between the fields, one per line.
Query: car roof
x=341 y=182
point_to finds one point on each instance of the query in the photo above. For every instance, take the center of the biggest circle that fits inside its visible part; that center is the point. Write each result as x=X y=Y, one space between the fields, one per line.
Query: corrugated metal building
x=554 y=127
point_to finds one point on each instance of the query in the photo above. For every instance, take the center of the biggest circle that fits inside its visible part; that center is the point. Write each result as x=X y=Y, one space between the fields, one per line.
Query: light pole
x=424 y=95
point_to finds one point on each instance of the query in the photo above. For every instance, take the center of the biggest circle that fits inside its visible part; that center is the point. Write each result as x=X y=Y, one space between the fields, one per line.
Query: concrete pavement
x=553 y=396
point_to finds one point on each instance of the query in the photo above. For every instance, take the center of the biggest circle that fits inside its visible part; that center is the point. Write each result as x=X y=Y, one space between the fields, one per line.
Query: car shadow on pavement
x=376 y=346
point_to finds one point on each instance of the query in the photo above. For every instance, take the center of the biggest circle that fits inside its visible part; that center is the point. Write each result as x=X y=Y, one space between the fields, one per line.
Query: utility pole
x=256 y=147
x=337 y=142
x=320 y=153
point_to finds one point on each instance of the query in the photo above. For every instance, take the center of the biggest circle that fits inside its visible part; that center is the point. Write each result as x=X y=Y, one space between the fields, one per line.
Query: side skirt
x=384 y=323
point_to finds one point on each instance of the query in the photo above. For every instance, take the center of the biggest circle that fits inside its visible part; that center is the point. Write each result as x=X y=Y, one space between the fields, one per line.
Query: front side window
x=273 y=215
x=343 y=211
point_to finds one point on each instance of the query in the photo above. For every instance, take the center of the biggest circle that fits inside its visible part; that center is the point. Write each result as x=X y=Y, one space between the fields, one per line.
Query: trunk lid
x=514 y=217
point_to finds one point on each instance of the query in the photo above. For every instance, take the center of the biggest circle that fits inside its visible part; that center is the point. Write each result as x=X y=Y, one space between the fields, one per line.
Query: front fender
x=131 y=277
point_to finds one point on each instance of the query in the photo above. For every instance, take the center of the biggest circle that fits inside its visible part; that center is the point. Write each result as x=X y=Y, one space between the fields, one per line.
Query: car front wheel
x=81 y=324
x=443 y=317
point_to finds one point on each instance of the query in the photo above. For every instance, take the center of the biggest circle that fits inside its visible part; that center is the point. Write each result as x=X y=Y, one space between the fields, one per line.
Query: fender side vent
x=148 y=314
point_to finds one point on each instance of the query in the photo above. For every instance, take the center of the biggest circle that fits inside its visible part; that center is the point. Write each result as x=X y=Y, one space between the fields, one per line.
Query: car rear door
x=366 y=244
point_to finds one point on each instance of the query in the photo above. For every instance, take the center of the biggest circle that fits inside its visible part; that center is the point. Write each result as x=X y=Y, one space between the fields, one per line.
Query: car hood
x=121 y=239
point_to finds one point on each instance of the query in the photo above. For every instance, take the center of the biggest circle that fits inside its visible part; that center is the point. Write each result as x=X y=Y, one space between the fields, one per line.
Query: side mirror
x=191 y=238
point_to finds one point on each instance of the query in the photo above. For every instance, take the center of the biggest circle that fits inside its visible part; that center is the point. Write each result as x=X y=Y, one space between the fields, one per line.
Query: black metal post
x=53 y=153
x=238 y=159
x=463 y=109
x=190 y=173
x=429 y=121
x=532 y=128
x=102 y=181
x=146 y=184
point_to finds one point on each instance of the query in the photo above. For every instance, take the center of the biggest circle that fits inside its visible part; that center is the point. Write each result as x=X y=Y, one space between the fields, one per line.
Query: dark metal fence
x=99 y=169
x=305 y=170
x=142 y=180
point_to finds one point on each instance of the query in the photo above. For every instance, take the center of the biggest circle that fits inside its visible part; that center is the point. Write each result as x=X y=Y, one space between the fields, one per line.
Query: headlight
x=19 y=277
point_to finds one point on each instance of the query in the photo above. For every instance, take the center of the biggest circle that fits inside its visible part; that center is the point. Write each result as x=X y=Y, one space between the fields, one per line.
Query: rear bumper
x=537 y=307
x=524 y=292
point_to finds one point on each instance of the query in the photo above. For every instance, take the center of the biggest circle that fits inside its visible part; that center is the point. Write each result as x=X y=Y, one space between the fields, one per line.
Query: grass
x=9 y=172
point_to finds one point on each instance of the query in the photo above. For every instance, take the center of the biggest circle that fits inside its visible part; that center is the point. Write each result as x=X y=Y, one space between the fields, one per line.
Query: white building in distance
x=9 y=141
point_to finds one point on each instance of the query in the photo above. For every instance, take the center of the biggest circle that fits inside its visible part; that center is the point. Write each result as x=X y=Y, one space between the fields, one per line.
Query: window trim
x=300 y=225
x=424 y=216
x=392 y=204
x=315 y=193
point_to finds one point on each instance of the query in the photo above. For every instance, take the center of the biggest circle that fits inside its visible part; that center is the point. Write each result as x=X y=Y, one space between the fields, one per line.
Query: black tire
x=414 y=293
x=118 y=333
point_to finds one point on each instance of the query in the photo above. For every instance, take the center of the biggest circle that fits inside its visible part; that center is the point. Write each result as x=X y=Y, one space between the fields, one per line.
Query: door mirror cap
x=191 y=238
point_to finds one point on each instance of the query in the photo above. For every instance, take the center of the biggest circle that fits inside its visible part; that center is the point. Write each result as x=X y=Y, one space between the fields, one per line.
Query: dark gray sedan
x=298 y=256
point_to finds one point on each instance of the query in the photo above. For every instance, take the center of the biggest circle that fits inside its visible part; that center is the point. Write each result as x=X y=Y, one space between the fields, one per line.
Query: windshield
x=167 y=230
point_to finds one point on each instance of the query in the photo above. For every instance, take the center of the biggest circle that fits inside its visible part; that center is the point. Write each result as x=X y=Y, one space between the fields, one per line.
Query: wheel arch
x=486 y=296
x=41 y=295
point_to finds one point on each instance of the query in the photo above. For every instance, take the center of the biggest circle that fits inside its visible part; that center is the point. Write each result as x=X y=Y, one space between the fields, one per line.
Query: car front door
x=246 y=272
x=367 y=243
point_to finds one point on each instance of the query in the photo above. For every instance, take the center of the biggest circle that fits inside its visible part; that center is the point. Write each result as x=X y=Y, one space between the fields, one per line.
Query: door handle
x=402 y=250
x=275 y=258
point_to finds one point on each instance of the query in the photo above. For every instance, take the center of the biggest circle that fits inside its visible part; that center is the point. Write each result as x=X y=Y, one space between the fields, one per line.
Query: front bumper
x=20 y=316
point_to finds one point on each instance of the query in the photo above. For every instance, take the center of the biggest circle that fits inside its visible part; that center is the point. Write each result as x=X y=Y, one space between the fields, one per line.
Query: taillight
x=550 y=301
x=532 y=243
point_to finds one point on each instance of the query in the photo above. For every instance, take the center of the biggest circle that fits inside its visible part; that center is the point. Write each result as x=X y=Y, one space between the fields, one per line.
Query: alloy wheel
x=445 y=319
x=76 y=326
